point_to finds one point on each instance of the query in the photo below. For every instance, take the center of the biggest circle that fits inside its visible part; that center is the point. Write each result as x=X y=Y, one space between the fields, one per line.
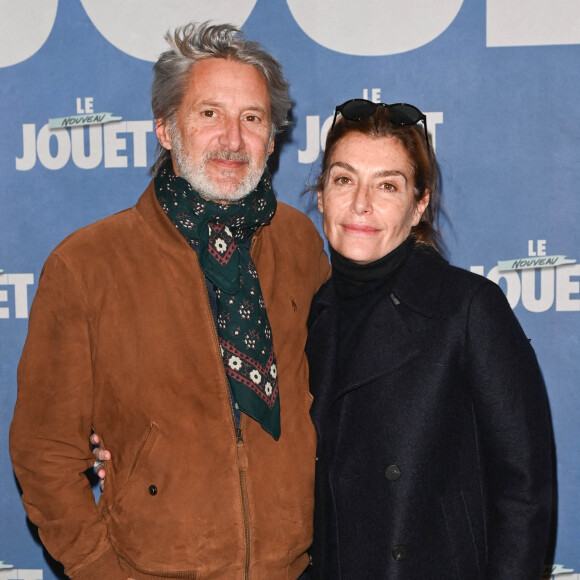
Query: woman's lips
x=360 y=229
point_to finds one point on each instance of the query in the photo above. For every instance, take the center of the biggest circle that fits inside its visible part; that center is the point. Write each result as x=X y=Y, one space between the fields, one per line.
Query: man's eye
x=208 y=113
x=342 y=180
x=253 y=118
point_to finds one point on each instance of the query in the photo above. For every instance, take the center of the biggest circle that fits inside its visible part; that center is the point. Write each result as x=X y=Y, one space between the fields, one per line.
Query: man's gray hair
x=194 y=42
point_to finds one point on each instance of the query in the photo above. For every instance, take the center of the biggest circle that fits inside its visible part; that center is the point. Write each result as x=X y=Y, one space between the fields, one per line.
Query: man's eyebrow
x=221 y=104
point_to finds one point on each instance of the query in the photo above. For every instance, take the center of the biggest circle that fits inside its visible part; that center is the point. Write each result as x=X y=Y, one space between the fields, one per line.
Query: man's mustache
x=228 y=155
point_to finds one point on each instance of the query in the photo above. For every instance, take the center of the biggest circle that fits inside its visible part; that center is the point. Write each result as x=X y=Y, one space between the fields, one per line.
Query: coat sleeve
x=49 y=435
x=512 y=413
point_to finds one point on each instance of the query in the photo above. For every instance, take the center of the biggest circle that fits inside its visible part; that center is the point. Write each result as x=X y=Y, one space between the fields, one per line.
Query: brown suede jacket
x=122 y=339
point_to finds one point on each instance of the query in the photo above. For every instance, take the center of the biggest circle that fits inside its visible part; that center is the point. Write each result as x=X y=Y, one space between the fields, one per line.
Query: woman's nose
x=361 y=202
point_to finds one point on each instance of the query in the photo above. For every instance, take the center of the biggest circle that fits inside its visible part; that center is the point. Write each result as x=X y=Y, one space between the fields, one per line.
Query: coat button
x=400 y=552
x=393 y=472
x=152 y=490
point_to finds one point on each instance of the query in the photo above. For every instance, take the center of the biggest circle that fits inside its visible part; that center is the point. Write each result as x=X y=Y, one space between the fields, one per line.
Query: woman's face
x=368 y=205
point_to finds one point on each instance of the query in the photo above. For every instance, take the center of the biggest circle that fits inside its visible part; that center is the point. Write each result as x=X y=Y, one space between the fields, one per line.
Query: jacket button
x=152 y=490
x=400 y=552
x=393 y=472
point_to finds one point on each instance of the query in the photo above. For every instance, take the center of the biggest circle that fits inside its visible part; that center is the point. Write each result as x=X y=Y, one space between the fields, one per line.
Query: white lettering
x=310 y=154
x=14 y=574
x=45 y=156
x=114 y=144
x=20 y=282
x=556 y=287
x=104 y=145
x=95 y=154
x=566 y=287
x=28 y=159
x=88 y=106
x=529 y=300
x=316 y=135
x=139 y=130
x=541 y=245
x=4 y=311
x=375 y=95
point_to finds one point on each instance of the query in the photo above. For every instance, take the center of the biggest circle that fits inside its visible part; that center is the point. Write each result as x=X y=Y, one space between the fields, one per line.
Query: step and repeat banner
x=498 y=79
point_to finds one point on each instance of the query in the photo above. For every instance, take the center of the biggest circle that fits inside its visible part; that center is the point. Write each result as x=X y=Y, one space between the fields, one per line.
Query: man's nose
x=231 y=136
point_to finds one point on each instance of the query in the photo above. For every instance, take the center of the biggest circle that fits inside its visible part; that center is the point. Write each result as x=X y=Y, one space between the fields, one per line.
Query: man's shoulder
x=289 y=219
x=109 y=231
x=98 y=232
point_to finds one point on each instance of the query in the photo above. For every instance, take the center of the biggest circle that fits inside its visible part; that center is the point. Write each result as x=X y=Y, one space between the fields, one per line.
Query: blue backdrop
x=499 y=80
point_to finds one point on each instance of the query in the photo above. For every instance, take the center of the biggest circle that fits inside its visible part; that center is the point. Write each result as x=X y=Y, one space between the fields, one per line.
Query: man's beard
x=199 y=179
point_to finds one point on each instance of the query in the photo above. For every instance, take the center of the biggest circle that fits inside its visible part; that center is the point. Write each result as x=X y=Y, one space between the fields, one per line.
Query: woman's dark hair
x=423 y=162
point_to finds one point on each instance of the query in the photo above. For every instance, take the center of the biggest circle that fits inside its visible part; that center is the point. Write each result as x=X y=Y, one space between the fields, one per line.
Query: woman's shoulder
x=429 y=282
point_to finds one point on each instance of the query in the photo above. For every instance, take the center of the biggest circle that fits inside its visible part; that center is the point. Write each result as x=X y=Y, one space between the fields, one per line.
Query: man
x=176 y=330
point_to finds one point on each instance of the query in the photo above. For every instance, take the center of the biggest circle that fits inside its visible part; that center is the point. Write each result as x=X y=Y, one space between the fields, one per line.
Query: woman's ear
x=320 y=202
x=421 y=206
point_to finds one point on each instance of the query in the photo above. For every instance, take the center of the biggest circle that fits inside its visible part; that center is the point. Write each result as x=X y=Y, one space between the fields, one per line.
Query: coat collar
x=417 y=284
x=388 y=341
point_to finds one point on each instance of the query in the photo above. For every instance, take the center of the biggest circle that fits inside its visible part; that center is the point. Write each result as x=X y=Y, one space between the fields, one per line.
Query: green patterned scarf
x=216 y=231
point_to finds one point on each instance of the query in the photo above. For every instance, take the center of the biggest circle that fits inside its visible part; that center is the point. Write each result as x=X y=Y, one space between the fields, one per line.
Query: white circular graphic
x=373 y=27
x=24 y=27
x=138 y=27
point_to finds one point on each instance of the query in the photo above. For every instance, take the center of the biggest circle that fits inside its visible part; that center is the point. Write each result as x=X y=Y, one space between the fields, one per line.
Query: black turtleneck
x=359 y=287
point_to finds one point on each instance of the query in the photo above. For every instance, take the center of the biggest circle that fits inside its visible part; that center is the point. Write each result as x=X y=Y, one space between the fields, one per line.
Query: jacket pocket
x=139 y=461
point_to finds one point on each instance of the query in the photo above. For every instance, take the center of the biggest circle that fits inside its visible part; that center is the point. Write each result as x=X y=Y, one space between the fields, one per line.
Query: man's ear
x=162 y=132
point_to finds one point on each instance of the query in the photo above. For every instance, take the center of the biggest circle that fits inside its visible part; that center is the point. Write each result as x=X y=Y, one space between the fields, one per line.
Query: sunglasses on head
x=399 y=113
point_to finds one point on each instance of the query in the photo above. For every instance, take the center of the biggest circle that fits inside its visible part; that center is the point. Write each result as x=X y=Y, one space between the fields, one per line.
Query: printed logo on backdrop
x=86 y=138
x=14 y=297
x=316 y=131
x=541 y=281
x=559 y=572
x=8 y=572
x=508 y=22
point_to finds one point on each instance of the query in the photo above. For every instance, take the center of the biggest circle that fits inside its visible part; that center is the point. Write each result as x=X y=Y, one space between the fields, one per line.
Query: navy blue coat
x=434 y=454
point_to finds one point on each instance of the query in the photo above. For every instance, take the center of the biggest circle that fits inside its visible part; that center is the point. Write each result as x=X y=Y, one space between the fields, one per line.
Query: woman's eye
x=342 y=180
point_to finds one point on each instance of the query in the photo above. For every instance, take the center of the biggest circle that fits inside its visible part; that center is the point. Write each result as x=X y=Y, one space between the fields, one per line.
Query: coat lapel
x=387 y=341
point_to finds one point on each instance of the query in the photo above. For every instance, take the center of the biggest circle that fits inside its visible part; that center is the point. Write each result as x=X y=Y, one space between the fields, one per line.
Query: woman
x=434 y=454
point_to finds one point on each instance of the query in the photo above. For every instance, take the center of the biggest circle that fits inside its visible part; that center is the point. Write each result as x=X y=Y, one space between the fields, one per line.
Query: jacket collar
x=165 y=232
x=419 y=281
x=417 y=284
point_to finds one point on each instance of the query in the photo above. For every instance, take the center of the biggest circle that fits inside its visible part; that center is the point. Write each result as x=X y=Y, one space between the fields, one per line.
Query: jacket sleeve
x=512 y=413
x=49 y=435
x=324 y=269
